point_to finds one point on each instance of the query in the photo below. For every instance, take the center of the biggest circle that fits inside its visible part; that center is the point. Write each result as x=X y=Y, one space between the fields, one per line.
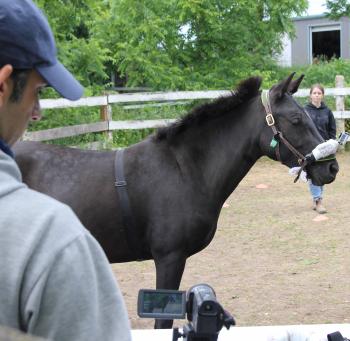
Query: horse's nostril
x=333 y=168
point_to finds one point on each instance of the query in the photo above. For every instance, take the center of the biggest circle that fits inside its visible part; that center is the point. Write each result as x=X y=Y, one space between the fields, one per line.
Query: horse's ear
x=281 y=88
x=294 y=85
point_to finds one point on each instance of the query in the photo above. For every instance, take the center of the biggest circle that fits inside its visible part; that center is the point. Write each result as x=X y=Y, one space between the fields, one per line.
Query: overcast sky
x=317 y=7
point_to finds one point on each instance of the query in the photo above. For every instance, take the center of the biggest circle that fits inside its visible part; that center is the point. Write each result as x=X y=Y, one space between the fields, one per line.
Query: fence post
x=106 y=115
x=340 y=103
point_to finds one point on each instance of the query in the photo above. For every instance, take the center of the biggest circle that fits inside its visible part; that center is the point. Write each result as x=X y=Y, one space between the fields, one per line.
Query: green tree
x=338 y=8
x=79 y=48
x=169 y=44
x=196 y=43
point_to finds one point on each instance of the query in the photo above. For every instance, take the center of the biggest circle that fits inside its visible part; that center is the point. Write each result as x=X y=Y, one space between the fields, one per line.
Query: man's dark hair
x=20 y=78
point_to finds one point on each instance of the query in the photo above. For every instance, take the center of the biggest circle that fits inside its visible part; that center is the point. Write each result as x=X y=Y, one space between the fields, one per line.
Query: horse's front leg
x=169 y=270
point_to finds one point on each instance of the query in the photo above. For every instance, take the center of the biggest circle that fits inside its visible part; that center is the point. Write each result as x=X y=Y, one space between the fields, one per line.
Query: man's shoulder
x=31 y=216
x=36 y=216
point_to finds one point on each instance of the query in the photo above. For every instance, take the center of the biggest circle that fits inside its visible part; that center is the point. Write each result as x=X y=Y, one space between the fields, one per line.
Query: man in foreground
x=55 y=279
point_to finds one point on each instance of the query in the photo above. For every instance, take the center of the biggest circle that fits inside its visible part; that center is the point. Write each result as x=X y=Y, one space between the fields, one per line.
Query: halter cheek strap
x=265 y=98
x=278 y=136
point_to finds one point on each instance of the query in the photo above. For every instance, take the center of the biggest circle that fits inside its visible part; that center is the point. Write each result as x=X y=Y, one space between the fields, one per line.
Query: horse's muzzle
x=324 y=172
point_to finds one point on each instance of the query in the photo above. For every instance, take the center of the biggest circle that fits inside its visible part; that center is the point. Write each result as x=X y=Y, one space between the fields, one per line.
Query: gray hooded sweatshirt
x=55 y=280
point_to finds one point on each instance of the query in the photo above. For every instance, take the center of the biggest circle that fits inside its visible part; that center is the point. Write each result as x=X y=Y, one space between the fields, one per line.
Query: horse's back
x=82 y=179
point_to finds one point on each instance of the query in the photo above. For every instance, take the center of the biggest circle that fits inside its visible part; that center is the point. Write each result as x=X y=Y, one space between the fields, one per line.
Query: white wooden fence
x=108 y=125
x=315 y=332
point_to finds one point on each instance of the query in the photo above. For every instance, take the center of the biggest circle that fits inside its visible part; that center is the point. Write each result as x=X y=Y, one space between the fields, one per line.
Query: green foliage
x=192 y=44
x=168 y=44
x=81 y=141
x=323 y=73
x=172 y=44
x=79 y=48
x=124 y=138
x=338 y=8
x=53 y=118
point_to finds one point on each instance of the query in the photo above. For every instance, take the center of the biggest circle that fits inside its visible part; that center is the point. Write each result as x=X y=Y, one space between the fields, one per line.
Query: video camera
x=336 y=336
x=205 y=314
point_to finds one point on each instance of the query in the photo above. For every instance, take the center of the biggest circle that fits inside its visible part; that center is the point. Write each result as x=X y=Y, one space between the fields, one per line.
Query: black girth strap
x=132 y=236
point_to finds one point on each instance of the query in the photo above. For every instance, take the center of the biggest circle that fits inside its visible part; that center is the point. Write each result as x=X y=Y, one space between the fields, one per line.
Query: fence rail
x=163 y=98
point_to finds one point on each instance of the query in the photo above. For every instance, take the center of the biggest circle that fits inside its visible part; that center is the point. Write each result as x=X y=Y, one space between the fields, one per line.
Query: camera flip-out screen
x=161 y=304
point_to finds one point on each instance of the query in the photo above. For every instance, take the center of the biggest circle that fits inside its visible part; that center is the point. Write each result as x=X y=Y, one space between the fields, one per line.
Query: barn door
x=325 y=42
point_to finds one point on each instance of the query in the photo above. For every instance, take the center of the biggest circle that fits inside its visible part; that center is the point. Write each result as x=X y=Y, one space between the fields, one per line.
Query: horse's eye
x=295 y=118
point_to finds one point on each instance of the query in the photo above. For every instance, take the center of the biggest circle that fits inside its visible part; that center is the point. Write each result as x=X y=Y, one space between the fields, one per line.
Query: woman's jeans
x=316 y=191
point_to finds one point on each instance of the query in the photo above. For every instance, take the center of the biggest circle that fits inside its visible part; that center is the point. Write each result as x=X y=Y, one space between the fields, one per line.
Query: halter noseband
x=278 y=136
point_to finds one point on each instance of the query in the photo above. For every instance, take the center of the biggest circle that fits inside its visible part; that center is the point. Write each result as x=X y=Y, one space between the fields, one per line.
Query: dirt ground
x=270 y=263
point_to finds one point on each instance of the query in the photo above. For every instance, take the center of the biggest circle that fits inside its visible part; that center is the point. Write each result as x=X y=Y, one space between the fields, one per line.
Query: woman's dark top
x=323 y=119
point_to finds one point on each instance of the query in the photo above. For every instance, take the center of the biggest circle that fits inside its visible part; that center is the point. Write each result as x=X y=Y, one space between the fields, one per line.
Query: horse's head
x=290 y=133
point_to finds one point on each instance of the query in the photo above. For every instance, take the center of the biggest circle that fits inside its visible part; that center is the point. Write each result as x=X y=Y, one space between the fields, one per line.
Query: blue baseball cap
x=27 y=42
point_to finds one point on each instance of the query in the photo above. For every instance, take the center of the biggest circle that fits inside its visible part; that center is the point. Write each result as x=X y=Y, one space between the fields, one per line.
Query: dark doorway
x=326 y=44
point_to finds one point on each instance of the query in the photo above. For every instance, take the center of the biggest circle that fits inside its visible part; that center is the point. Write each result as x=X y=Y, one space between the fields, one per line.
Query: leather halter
x=278 y=136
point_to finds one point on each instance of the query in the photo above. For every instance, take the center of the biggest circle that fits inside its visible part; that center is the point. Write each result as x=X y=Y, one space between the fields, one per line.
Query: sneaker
x=319 y=207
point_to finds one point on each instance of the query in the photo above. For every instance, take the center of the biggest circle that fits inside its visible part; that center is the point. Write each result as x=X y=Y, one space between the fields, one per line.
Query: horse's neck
x=221 y=154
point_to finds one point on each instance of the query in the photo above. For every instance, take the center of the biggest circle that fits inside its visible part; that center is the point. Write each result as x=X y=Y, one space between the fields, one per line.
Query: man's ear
x=5 y=73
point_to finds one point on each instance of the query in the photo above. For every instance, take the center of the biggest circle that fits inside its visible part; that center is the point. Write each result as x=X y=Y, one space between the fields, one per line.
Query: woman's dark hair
x=318 y=86
x=20 y=78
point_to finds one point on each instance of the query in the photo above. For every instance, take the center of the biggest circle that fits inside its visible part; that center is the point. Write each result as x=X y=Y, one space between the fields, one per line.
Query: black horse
x=178 y=178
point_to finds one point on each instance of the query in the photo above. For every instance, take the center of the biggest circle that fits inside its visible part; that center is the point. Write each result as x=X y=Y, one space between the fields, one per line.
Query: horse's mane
x=246 y=90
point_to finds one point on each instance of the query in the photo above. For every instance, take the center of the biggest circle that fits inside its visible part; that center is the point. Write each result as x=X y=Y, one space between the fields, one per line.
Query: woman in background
x=325 y=123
